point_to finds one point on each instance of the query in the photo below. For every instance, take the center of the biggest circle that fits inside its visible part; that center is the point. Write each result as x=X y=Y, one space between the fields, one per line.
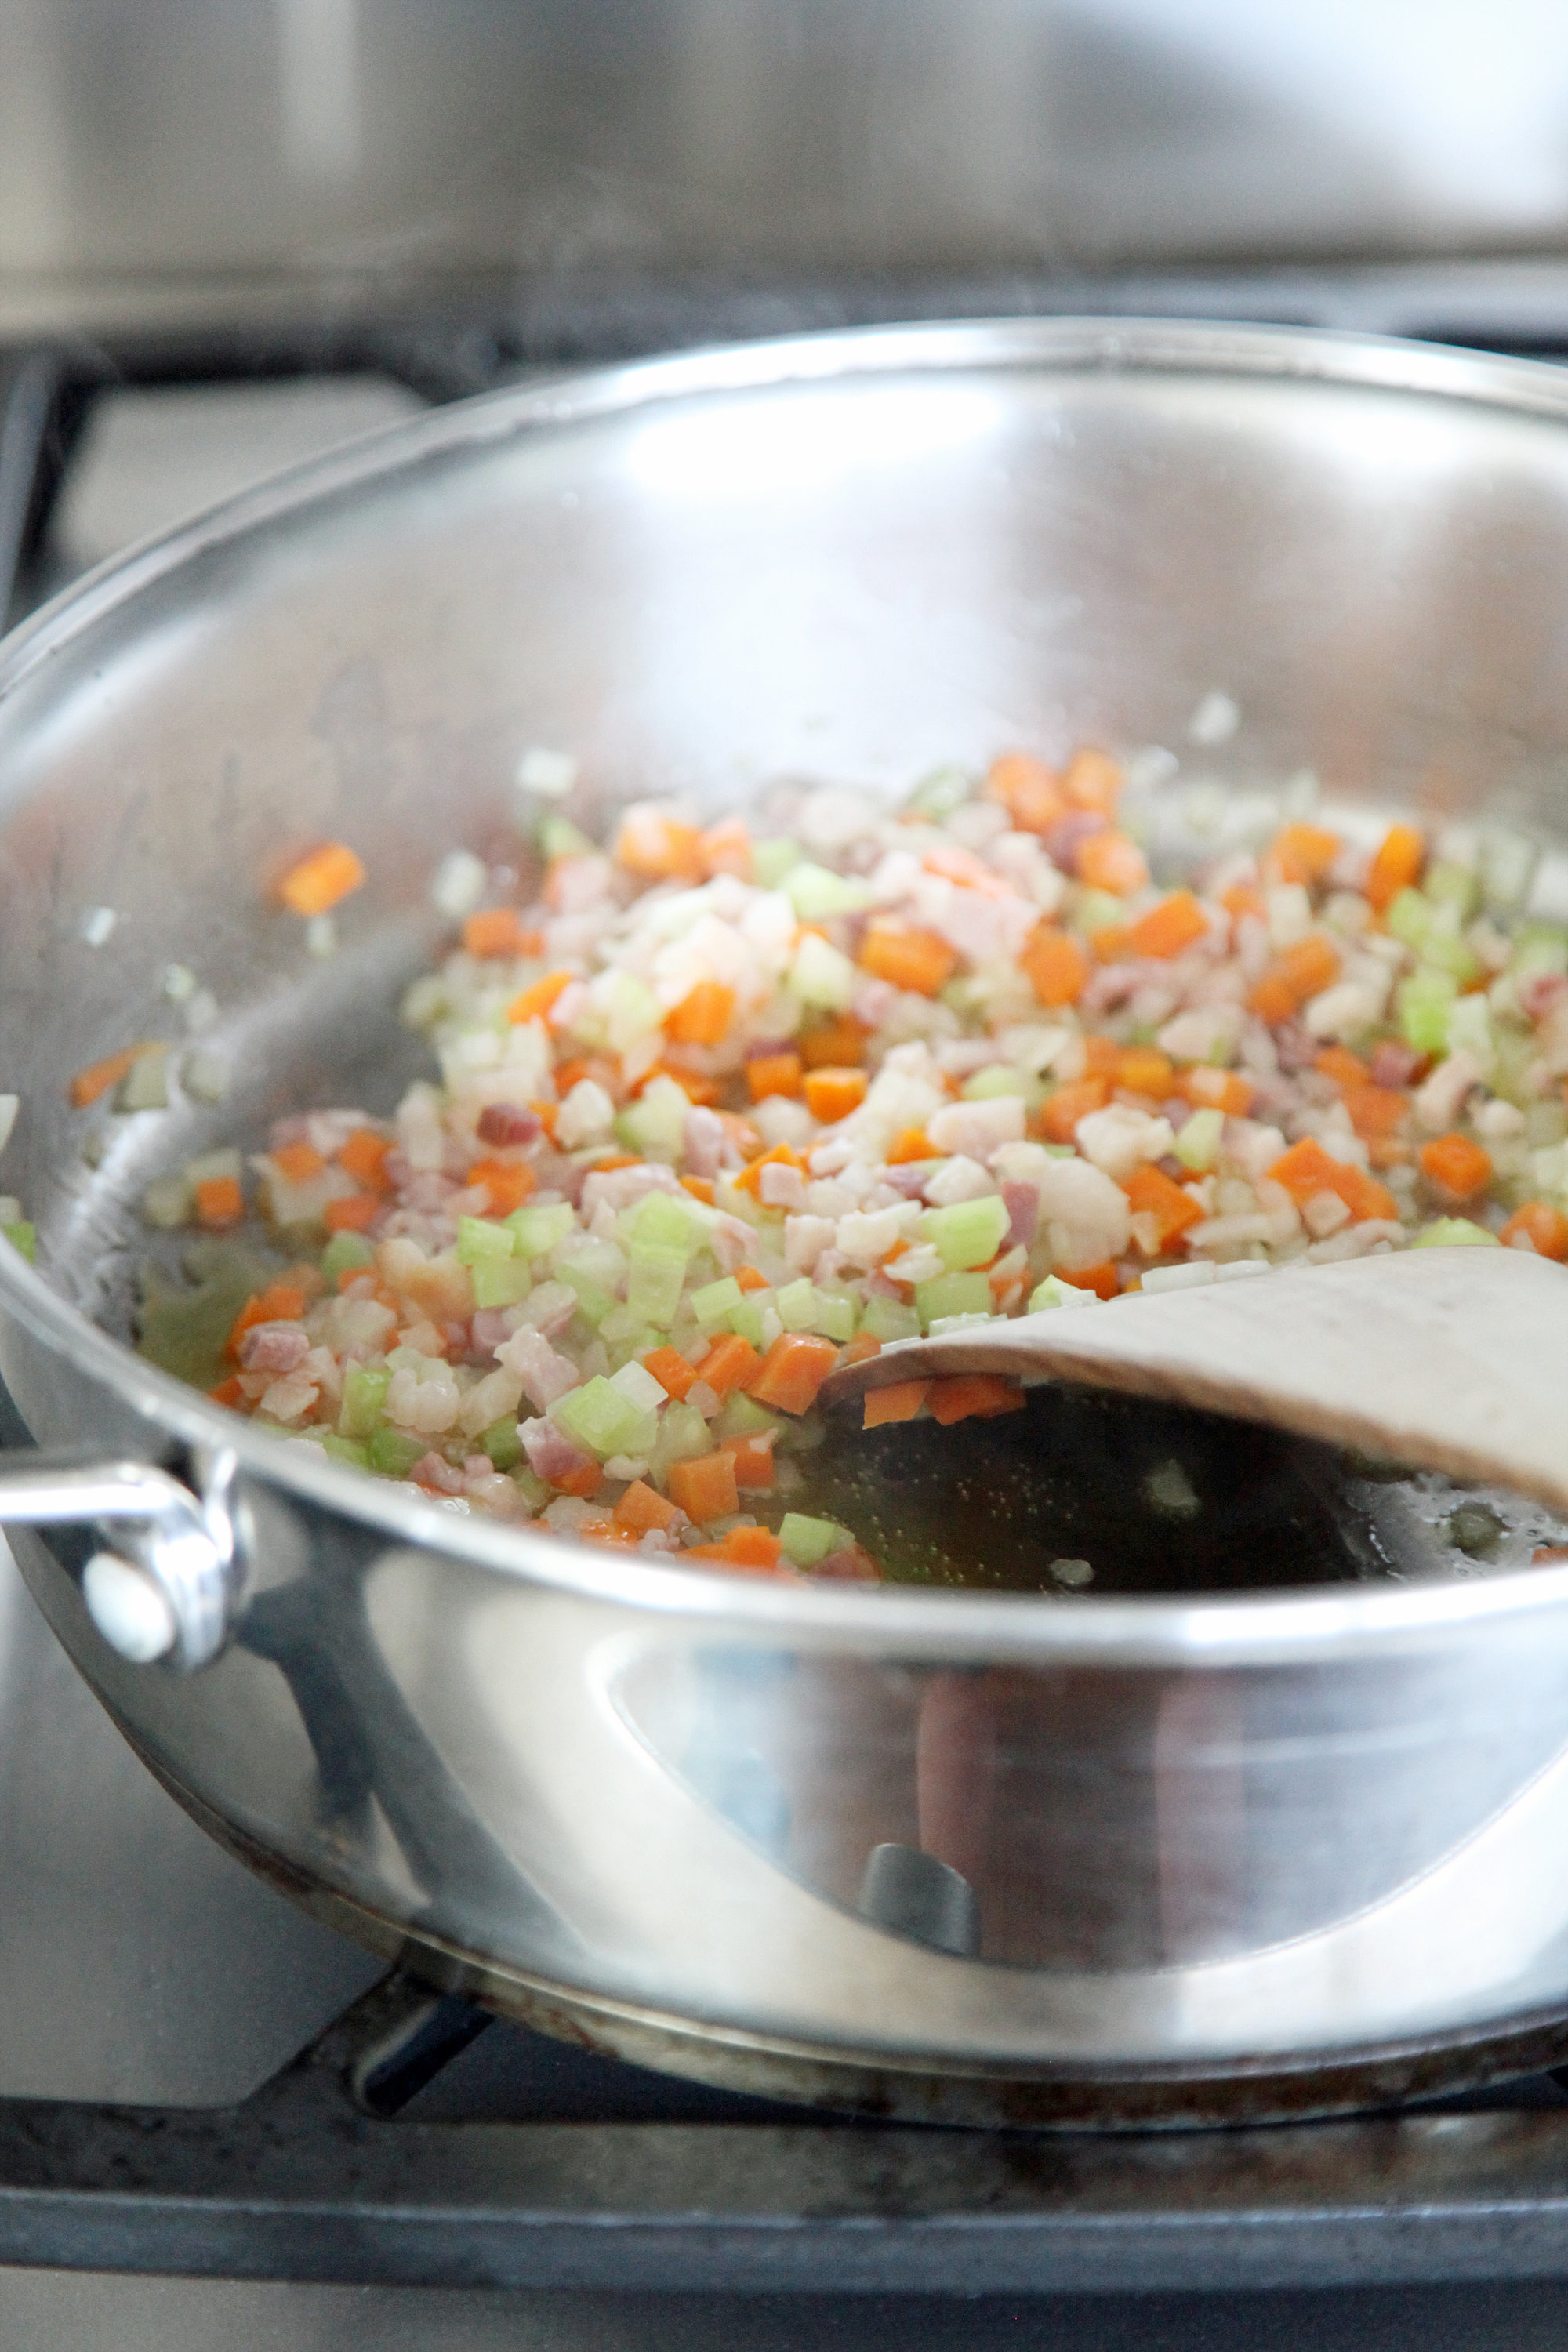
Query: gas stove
x=220 y=2121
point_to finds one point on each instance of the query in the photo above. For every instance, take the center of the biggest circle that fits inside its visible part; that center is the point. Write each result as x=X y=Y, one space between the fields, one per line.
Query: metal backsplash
x=162 y=159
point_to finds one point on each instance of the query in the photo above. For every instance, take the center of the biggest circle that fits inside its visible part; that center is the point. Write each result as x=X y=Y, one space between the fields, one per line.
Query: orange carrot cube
x=831 y=1095
x=1537 y=1226
x=363 y=1157
x=1055 y=966
x=671 y=1369
x=1396 y=864
x=220 y=1203
x=838 y=1044
x=753 y=1460
x=322 y=880
x=921 y=961
x=642 y=1508
x=1153 y=1194
x=973 y=1393
x=1109 y=861
x=727 y=1365
x=704 y=1489
x=1061 y=1111
x=509 y=1185
x=1303 y=852
x=1030 y=792
x=792 y=1372
x=900 y=1401
x=1211 y=1089
x=773 y=1073
x=1169 y=928
x=703 y=1015
x=1455 y=1166
x=658 y=846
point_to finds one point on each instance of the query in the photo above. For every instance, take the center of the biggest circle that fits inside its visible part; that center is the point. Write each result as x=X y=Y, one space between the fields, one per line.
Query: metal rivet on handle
x=125 y=1604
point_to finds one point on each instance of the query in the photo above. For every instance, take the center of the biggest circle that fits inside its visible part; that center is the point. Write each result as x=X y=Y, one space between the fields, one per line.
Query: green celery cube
x=836 y=1315
x=343 y=1255
x=1455 y=1232
x=1423 y=1003
x=1410 y=918
x=968 y=1233
x=502 y=1443
x=772 y=860
x=530 y=1486
x=1447 y=884
x=558 y=837
x=743 y=1417
x=889 y=1319
x=807 y=1541
x=655 y=1282
x=796 y=1303
x=594 y=1302
x=683 y=1434
x=539 y=1230
x=501 y=1281
x=393 y=1452
x=712 y=1305
x=818 y=894
x=1198 y=1140
x=364 y=1398
x=598 y=1418
x=479 y=1239
x=746 y=1320
x=952 y=1294
x=664 y=1223
x=23 y=1237
x=346 y=1449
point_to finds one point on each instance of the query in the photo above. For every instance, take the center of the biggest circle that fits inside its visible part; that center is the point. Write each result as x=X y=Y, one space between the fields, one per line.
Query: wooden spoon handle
x=1453 y=1360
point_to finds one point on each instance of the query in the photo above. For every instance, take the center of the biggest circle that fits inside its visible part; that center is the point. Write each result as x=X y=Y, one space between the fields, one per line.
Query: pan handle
x=161 y=1584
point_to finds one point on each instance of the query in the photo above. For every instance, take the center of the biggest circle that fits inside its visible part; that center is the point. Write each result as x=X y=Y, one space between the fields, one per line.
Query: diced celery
x=1409 y=918
x=1455 y=1232
x=1470 y=1030
x=655 y=1125
x=1447 y=884
x=968 y=1233
x=364 y=1398
x=836 y=1315
x=539 y=1230
x=655 y=1282
x=820 y=975
x=630 y=1345
x=346 y=1449
x=479 y=1239
x=1198 y=1140
x=598 y=1417
x=1422 y=1003
x=501 y=1281
x=796 y=1303
x=818 y=894
x=713 y=1303
x=502 y=1443
x=558 y=837
x=772 y=860
x=639 y=1388
x=146 y=1083
x=1448 y=951
x=887 y=1318
x=743 y=1417
x=944 y=790
x=629 y=1009
x=683 y=1434
x=952 y=1294
x=1055 y=1292
x=806 y=1542
x=602 y=1261
x=745 y=1318
x=594 y=1302
x=343 y=1255
x=1507 y=864
x=1538 y=949
x=530 y=1486
x=393 y=1452
x=1097 y=910
x=955 y=1323
x=665 y=1220
x=23 y=1237
x=988 y=1085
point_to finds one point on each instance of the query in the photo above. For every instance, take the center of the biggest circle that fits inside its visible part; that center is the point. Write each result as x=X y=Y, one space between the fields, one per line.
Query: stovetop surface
x=153 y=1996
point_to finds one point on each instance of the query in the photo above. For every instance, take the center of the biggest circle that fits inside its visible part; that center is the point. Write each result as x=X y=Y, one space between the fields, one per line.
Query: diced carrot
x=1547 y=1554
x=493 y=931
x=956 y=863
x=1093 y=780
x=1307 y=1169
x=792 y=1372
x=671 y=1369
x=642 y=1508
x=99 y=1076
x=608 y=1532
x=230 y=1391
x=1345 y=1068
x=321 y=879
x=1364 y=1197
x=219 y=1201
x=1377 y=1112
x=1104 y=1280
x=773 y=1073
x=583 y=1482
x=726 y=848
x=658 y=846
x=353 y=1215
x=297 y=1162
x=972 y=1394
x=728 y=1364
x=1031 y=791
x=704 y=1489
x=1303 y=971
x=838 y=1044
x=363 y=1156
x=911 y=1144
x=1109 y=861
x=918 y=960
x=1112 y=942
x=753 y=1461
x=741 y=1135
x=750 y=1177
x=1539 y=1224
x=860 y=1349
x=703 y=1015
x=699 y=1187
x=534 y=1001
x=280 y=1302
x=1101 y=1056
x=509 y=1185
x=1212 y=1089
x=1152 y=1193
x=1243 y=899
x=1061 y=1112
x=598 y=1066
x=1303 y=853
x=546 y=1113
x=1055 y=965
x=1396 y=864
x=1170 y=927
x=1144 y=1070
x=899 y=1401
x=754 y=1547
x=831 y=1095
x=750 y=1277
x=1455 y=1166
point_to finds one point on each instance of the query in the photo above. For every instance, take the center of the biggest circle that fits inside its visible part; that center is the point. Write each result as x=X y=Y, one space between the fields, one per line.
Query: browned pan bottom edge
x=889 y=2089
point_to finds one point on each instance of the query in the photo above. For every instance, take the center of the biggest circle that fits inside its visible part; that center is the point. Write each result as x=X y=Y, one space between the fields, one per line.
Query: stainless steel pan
x=934 y=1853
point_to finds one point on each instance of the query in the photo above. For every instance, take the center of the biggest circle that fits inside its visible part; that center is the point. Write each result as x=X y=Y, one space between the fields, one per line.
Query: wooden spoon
x=1453 y=1360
